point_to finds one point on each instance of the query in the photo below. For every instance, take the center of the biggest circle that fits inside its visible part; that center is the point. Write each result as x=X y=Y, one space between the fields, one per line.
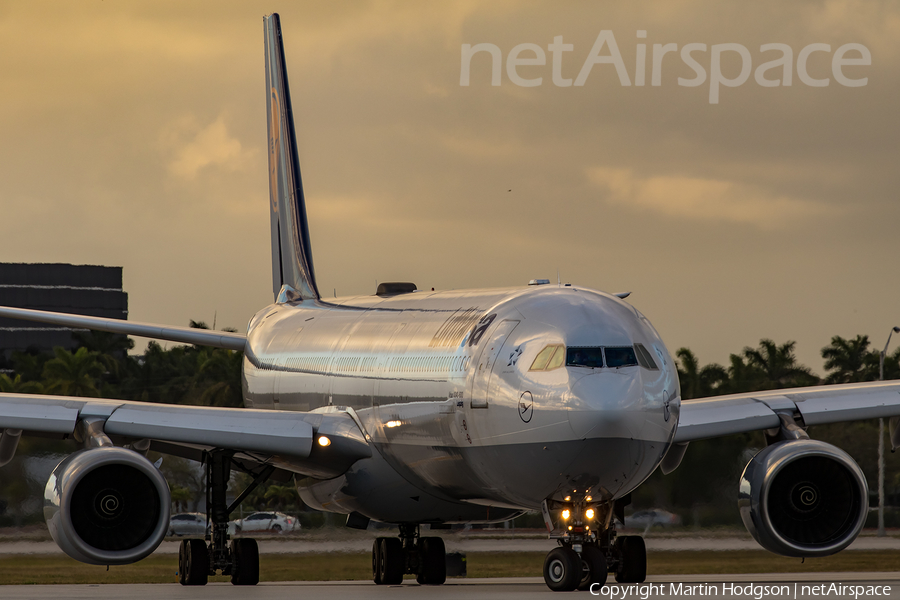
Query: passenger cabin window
x=621 y=357
x=584 y=357
x=549 y=358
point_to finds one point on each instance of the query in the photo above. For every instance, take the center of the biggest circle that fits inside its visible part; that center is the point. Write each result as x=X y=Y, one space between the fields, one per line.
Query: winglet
x=293 y=277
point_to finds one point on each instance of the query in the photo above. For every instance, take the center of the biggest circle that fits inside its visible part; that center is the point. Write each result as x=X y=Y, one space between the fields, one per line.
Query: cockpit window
x=645 y=359
x=584 y=357
x=556 y=360
x=549 y=358
x=621 y=357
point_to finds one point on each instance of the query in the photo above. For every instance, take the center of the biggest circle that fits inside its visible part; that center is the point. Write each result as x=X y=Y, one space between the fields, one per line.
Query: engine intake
x=107 y=506
x=803 y=498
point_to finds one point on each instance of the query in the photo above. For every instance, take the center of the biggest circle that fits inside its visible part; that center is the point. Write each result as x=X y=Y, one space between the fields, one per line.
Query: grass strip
x=49 y=569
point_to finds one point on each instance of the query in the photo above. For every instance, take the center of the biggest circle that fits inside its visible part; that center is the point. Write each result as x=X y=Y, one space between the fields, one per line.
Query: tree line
x=772 y=366
x=703 y=489
x=101 y=367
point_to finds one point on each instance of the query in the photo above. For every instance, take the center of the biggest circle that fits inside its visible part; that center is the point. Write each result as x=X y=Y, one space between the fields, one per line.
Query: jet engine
x=107 y=506
x=803 y=498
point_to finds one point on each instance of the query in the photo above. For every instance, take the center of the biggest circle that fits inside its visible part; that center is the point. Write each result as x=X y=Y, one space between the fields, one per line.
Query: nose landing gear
x=424 y=557
x=589 y=549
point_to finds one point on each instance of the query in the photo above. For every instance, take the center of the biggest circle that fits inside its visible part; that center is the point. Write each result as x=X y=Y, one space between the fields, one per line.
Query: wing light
x=324 y=441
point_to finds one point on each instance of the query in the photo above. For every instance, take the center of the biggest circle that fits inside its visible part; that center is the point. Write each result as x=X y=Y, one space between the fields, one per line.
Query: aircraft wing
x=185 y=335
x=287 y=439
x=738 y=413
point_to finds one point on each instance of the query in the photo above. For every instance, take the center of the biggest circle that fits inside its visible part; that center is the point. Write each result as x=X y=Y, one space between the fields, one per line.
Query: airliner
x=432 y=408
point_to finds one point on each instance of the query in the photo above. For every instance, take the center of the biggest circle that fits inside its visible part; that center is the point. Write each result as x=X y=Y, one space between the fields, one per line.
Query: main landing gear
x=422 y=556
x=589 y=549
x=197 y=560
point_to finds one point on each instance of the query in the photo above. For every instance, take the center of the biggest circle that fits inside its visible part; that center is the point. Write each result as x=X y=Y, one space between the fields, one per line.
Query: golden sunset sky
x=133 y=134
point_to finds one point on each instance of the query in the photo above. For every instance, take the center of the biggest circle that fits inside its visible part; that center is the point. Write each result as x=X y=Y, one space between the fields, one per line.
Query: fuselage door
x=489 y=353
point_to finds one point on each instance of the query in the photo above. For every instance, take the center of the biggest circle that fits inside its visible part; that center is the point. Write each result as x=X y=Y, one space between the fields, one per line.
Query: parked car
x=264 y=521
x=649 y=518
x=187 y=524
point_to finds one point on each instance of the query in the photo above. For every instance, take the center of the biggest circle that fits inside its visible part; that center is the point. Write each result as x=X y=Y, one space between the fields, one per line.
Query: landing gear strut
x=198 y=560
x=423 y=557
x=589 y=549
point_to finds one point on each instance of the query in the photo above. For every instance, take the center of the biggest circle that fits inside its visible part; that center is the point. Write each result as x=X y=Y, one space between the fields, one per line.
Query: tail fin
x=293 y=277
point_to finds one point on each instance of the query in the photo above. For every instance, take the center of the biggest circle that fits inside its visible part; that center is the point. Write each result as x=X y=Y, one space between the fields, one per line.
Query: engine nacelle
x=107 y=506
x=803 y=498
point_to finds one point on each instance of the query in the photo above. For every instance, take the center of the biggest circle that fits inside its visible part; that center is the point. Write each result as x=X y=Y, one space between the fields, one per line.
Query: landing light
x=565 y=514
x=392 y=424
x=324 y=441
x=589 y=514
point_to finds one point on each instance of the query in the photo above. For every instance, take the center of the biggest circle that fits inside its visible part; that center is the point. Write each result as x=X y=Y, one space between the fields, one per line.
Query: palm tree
x=698 y=382
x=850 y=361
x=282 y=496
x=743 y=376
x=219 y=375
x=29 y=364
x=779 y=365
x=891 y=364
x=112 y=348
x=75 y=374
x=15 y=385
x=181 y=496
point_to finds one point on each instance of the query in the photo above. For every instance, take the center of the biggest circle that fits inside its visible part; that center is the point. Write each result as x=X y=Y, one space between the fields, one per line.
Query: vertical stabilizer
x=293 y=277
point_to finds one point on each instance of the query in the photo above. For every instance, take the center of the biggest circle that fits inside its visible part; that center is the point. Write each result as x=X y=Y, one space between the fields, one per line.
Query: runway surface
x=362 y=544
x=529 y=588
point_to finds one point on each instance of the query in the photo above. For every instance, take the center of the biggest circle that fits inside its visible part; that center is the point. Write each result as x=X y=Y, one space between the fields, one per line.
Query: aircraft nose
x=608 y=404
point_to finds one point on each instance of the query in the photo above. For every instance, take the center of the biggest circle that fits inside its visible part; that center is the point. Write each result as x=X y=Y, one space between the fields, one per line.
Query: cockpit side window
x=621 y=357
x=645 y=359
x=549 y=358
x=556 y=361
x=584 y=357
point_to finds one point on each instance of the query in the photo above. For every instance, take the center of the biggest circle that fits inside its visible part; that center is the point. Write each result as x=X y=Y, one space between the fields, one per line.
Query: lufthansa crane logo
x=526 y=406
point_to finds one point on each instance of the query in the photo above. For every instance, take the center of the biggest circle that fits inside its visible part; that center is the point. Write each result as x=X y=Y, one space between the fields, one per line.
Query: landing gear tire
x=245 y=566
x=392 y=563
x=193 y=562
x=562 y=570
x=376 y=561
x=632 y=559
x=593 y=568
x=432 y=561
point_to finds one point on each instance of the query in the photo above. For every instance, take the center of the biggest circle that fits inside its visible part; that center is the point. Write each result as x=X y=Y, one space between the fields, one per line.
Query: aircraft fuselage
x=451 y=390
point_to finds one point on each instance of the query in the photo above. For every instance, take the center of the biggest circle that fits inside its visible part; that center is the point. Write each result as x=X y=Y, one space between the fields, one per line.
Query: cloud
x=211 y=146
x=705 y=199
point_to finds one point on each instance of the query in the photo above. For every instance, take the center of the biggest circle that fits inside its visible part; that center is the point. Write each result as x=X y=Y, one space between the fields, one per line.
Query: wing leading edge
x=283 y=438
x=738 y=413
x=185 y=335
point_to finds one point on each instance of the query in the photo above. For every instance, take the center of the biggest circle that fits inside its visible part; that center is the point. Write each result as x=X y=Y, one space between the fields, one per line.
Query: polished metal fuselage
x=441 y=384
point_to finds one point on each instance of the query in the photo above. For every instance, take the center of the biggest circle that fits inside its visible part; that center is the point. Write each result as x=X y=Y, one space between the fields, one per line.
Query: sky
x=733 y=206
